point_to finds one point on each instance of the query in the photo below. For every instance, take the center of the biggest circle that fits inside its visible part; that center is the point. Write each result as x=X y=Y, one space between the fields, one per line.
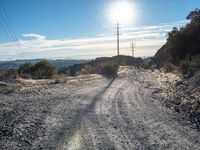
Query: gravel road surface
x=91 y=112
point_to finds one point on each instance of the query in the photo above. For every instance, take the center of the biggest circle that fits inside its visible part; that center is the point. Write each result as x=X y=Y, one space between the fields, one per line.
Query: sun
x=122 y=12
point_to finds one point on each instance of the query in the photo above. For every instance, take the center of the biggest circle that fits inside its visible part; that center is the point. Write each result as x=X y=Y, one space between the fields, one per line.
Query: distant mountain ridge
x=59 y=63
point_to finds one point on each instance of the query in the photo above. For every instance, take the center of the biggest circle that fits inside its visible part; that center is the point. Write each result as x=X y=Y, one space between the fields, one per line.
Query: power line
x=84 y=12
x=12 y=29
x=10 y=39
x=8 y=28
x=97 y=8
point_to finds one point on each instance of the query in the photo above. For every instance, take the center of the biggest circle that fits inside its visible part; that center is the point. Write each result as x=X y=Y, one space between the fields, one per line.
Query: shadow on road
x=76 y=122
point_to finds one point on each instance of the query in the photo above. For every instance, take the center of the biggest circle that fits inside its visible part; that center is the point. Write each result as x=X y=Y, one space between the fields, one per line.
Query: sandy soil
x=91 y=112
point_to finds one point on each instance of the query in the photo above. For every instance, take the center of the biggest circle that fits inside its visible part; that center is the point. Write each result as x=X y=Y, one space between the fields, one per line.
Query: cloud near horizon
x=148 y=39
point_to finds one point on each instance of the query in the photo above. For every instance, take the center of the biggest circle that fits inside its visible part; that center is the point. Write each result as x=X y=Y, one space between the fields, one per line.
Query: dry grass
x=62 y=78
x=9 y=88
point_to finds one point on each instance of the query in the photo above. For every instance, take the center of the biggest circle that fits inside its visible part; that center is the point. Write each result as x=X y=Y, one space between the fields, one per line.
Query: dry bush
x=9 y=88
x=13 y=88
x=61 y=78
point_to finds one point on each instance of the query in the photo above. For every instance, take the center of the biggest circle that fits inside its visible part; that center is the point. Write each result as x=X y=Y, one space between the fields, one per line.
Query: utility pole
x=133 y=50
x=118 y=43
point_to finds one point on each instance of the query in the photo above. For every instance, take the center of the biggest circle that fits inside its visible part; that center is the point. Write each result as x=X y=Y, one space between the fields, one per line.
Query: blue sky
x=82 y=28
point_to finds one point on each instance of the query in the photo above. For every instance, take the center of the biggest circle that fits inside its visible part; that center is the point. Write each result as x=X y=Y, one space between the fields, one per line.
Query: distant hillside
x=182 y=44
x=123 y=60
x=60 y=63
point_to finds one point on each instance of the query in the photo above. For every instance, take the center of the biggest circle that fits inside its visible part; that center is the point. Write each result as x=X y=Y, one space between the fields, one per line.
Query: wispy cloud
x=148 y=40
x=34 y=36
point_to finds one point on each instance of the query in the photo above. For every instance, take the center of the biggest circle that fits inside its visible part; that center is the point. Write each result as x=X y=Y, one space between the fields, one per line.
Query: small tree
x=43 y=70
x=172 y=33
x=26 y=69
x=194 y=15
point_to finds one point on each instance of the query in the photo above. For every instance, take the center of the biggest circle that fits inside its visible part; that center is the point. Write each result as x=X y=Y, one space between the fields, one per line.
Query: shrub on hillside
x=26 y=70
x=190 y=66
x=145 y=66
x=182 y=43
x=195 y=63
x=184 y=66
x=169 y=67
x=12 y=73
x=2 y=75
x=109 y=70
x=88 y=69
x=41 y=70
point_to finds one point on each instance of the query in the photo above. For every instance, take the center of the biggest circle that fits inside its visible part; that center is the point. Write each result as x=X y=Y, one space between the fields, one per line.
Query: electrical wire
x=10 y=30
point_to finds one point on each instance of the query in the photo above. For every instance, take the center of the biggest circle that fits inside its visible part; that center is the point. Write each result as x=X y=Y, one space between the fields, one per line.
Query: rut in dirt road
x=126 y=116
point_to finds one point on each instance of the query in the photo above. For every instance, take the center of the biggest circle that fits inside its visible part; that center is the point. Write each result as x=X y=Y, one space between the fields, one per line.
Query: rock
x=178 y=83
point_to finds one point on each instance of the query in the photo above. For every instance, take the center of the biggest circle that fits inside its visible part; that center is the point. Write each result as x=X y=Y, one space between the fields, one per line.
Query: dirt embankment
x=181 y=94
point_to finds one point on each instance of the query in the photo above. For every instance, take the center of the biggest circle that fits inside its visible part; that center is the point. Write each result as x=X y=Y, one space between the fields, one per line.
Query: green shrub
x=12 y=73
x=169 y=67
x=108 y=70
x=41 y=70
x=184 y=66
x=26 y=69
x=88 y=69
x=190 y=66
x=146 y=66
x=195 y=63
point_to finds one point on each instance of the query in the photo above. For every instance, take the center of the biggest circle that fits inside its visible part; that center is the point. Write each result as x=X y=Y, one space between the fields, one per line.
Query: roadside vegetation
x=44 y=70
x=182 y=49
x=181 y=53
x=40 y=70
x=107 y=69
x=106 y=66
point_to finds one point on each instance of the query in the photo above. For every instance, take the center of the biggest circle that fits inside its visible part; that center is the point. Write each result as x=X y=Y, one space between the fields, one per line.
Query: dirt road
x=95 y=113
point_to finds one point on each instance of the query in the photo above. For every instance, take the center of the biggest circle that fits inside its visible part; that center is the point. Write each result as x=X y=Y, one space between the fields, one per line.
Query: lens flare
x=122 y=12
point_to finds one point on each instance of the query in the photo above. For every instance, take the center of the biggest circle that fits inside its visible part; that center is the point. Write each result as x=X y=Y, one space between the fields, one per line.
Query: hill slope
x=123 y=60
x=182 y=45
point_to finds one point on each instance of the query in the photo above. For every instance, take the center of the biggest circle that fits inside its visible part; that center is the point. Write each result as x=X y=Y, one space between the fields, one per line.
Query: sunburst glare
x=122 y=12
